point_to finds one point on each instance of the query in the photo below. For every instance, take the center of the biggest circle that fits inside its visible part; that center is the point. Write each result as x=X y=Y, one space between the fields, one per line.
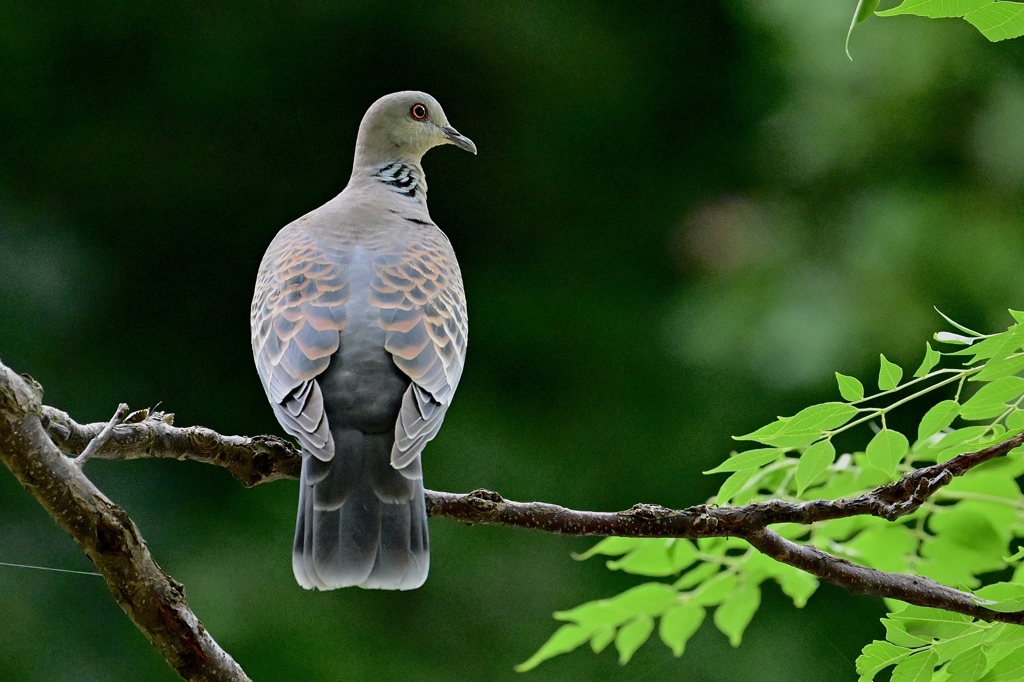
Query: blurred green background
x=683 y=218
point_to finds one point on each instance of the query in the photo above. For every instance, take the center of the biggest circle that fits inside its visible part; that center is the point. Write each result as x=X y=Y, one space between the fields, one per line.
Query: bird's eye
x=418 y=112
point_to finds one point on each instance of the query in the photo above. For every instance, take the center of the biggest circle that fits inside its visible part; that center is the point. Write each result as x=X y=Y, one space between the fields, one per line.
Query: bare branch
x=151 y=598
x=151 y=434
x=863 y=580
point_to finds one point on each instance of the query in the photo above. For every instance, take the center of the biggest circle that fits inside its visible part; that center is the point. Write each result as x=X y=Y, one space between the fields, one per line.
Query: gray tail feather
x=360 y=521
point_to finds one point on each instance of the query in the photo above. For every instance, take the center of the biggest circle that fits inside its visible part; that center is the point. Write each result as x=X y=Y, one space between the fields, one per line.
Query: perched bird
x=359 y=334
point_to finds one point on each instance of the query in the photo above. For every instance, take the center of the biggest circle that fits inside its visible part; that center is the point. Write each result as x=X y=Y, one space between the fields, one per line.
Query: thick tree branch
x=151 y=598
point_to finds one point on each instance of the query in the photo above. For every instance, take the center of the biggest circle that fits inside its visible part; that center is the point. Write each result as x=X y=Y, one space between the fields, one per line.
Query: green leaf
x=631 y=636
x=931 y=358
x=1015 y=420
x=695 y=576
x=678 y=625
x=733 y=485
x=733 y=616
x=878 y=655
x=715 y=590
x=1001 y=640
x=991 y=399
x=649 y=599
x=884 y=547
x=968 y=665
x=948 y=649
x=896 y=632
x=565 y=639
x=612 y=547
x=822 y=417
x=601 y=639
x=1009 y=669
x=864 y=10
x=918 y=667
x=996 y=347
x=889 y=374
x=751 y=459
x=815 y=460
x=886 y=451
x=1007 y=597
x=932 y=623
x=850 y=387
x=958 y=339
x=998 y=20
x=997 y=369
x=947 y=318
x=936 y=9
x=804 y=427
x=940 y=416
x=962 y=439
x=796 y=585
x=657 y=557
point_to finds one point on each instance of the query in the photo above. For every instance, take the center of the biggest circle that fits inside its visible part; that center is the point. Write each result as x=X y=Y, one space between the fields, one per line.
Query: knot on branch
x=904 y=496
x=484 y=500
x=274 y=447
x=650 y=512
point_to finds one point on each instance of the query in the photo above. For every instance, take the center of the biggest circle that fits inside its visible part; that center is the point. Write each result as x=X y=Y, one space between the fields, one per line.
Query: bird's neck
x=404 y=177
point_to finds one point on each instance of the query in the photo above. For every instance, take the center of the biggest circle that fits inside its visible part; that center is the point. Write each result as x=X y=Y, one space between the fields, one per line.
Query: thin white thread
x=47 y=568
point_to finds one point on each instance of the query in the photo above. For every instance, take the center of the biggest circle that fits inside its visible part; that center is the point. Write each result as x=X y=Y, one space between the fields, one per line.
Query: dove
x=359 y=333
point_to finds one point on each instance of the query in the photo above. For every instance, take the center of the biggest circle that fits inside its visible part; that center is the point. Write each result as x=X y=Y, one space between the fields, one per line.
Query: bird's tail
x=360 y=522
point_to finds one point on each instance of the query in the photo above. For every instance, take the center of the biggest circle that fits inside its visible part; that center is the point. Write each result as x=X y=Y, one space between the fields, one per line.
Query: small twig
x=97 y=443
x=252 y=461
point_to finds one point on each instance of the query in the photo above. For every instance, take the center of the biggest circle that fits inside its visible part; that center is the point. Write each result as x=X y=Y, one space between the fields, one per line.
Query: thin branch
x=863 y=580
x=143 y=433
x=96 y=444
x=152 y=599
x=153 y=436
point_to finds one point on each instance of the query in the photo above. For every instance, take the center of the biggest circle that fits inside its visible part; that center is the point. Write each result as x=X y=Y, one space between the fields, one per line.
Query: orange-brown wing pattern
x=419 y=291
x=298 y=312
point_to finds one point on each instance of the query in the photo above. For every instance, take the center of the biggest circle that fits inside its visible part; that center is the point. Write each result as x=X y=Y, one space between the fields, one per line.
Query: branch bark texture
x=153 y=600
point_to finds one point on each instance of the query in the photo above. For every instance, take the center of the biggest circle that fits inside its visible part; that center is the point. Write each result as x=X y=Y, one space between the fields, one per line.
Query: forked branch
x=33 y=436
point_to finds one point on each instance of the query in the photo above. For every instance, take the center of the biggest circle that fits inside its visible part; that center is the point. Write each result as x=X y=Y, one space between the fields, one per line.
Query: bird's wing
x=418 y=289
x=298 y=312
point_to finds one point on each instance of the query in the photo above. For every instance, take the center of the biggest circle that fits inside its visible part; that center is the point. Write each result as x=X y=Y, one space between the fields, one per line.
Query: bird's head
x=404 y=125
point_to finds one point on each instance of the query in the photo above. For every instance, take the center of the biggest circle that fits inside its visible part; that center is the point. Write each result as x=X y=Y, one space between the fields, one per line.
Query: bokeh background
x=683 y=218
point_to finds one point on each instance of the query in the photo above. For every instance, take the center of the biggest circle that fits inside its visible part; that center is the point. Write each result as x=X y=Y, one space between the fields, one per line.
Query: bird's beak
x=458 y=139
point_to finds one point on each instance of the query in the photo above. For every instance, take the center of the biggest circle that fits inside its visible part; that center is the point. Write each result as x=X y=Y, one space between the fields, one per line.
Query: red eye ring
x=418 y=111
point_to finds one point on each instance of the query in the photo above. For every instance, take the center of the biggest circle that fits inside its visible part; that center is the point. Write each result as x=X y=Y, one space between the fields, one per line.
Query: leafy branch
x=943 y=509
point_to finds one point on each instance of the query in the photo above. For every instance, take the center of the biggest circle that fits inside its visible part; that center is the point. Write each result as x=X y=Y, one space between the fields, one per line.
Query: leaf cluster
x=995 y=19
x=965 y=534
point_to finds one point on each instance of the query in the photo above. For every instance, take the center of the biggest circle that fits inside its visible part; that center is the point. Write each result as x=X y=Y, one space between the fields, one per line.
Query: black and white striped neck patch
x=403 y=178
